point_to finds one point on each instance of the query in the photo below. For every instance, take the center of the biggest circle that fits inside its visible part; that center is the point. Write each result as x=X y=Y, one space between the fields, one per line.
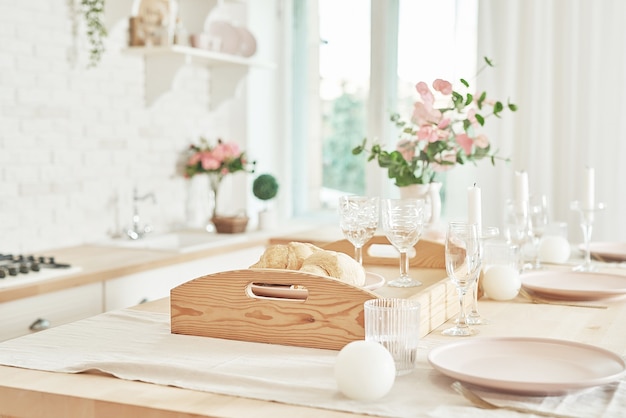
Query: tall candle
x=588 y=202
x=474 y=209
x=521 y=190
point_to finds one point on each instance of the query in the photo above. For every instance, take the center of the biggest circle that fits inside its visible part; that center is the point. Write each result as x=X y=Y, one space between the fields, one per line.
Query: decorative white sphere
x=364 y=370
x=554 y=249
x=501 y=282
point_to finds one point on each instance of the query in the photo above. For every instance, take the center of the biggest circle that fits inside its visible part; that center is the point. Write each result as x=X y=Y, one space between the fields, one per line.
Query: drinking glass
x=403 y=222
x=538 y=221
x=463 y=262
x=394 y=323
x=358 y=221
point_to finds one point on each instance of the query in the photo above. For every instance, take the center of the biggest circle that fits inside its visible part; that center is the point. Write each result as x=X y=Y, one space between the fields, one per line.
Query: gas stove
x=24 y=269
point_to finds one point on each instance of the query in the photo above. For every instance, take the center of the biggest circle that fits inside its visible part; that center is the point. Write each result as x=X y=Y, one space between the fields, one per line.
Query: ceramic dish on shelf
x=607 y=251
x=574 y=285
x=247 y=42
x=227 y=34
x=527 y=366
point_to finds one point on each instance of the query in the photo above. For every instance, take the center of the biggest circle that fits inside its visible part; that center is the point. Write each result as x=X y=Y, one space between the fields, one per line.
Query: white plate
x=575 y=285
x=609 y=251
x=529 y=366
x=372 y=281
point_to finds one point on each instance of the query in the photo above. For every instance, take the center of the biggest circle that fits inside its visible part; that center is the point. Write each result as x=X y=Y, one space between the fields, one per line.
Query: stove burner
x=13 y=265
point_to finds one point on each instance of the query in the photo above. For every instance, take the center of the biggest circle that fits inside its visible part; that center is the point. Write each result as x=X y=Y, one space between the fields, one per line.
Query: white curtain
x=563 y=63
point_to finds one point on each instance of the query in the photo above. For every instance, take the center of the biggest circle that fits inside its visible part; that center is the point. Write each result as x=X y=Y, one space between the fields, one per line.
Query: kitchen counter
x=102 y=262
x=33 y=393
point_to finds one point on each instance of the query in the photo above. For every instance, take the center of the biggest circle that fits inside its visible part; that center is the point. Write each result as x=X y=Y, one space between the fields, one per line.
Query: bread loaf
x=286 y=256
x=335 y=264
x=311 y=259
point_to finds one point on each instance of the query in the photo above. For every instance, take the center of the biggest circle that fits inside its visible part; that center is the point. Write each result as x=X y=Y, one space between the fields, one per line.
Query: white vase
x=268 y=219
x=430 y=192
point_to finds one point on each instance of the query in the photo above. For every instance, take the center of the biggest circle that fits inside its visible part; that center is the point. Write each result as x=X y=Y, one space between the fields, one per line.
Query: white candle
x=474 y=210
x=588 y=202
x=521 y=190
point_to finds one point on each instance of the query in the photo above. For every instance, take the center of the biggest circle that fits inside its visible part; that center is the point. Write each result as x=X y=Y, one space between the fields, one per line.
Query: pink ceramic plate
x=575 y=285
x=609 y=251
x=528 y=366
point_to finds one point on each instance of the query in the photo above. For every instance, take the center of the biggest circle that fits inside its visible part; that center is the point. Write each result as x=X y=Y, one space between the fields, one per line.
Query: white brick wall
x=75 y=141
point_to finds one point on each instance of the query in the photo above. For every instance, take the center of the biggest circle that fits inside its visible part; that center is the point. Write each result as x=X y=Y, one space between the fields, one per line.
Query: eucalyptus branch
x=93 y=11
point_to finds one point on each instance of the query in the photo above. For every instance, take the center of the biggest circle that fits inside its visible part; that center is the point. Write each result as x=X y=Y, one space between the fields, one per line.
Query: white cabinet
x=137 y=288
x=49 y=310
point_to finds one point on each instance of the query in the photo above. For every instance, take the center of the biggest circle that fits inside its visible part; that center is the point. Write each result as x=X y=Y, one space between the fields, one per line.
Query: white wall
x=75 y=141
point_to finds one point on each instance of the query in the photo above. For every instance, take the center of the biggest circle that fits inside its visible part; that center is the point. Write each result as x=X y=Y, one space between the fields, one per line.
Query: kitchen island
x=32 y=393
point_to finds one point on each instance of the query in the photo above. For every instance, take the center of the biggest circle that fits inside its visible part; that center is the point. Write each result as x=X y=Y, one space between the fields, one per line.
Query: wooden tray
x=223 y=305
x=250 y=305
x=428 y=254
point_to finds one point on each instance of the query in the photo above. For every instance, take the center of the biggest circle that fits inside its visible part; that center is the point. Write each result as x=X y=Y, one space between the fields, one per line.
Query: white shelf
x=163 y=62
x=201 y=56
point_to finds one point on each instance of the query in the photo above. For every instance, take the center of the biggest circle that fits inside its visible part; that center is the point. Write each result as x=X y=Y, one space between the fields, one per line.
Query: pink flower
x=465 y=142
x=425 y=93
x=444 y=123
x=407 y=149
x=442 y=86
x=481 y=141
x=428 y=133
x=423 y=114
x=449 y=156
x=209 y=162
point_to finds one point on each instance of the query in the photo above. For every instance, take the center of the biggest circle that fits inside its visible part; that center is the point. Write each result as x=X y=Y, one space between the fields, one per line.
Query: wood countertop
x=32 y=393
x=101 y=262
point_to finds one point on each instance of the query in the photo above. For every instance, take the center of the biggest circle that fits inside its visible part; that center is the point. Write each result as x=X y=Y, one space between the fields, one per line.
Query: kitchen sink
x=179 y=241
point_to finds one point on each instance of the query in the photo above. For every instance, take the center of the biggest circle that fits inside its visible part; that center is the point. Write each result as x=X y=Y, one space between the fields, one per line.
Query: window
x=332 y=64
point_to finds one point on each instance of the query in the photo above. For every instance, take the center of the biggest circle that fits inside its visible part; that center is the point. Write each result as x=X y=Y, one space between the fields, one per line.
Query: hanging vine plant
x=93 y=11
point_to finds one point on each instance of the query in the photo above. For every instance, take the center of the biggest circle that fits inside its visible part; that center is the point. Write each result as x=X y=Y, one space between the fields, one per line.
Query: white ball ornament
x=364 y=370
x=501 y=282
x=554 y=249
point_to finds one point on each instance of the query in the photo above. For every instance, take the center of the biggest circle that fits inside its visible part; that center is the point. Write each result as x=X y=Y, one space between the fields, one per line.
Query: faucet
x=137 y=232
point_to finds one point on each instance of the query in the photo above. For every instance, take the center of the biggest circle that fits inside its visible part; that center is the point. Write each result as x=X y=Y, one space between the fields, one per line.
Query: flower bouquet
x=443 y=132
x=217 y=162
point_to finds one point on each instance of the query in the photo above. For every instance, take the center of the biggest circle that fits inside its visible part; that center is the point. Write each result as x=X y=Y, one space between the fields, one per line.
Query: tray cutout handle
x=273 y=291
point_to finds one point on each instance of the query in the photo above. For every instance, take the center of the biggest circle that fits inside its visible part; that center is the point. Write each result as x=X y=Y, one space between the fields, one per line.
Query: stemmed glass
x=474 y=317
x=463 y=262
x=587 y=216
x=516 y=225
x=538 y=221
x=403 y=222
x=358 y=221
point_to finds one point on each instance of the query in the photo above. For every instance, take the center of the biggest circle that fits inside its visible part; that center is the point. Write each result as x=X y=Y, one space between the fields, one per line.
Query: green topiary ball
x=265 y=187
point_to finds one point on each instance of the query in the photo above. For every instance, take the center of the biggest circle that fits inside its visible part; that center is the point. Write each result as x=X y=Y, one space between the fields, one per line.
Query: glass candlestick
x=587 y=216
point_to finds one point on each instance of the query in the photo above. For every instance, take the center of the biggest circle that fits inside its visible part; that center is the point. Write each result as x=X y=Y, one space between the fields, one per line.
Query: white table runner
x=136 y=345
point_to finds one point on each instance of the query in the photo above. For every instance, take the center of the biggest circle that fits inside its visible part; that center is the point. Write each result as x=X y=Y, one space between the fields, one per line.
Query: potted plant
x=216 y=162
x=265 y=188
x=444 y=131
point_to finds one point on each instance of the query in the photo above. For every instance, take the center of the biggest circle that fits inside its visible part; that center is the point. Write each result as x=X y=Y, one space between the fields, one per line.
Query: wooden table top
x=31 y=393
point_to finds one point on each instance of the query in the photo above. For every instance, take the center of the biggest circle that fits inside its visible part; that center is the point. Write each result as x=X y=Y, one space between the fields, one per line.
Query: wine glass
x=358 y=221
x=538 y=221
x=403 y=222
x=463 y=261
x=474 y=317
